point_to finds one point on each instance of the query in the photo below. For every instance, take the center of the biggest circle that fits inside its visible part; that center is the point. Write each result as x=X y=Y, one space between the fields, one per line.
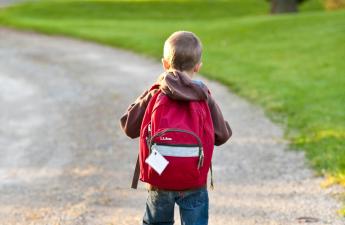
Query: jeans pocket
x=194 y=199
x=159 y=208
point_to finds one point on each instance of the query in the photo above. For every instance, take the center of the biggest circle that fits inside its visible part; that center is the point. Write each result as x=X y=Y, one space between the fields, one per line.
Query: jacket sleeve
x=132 y=119
x=222 y=130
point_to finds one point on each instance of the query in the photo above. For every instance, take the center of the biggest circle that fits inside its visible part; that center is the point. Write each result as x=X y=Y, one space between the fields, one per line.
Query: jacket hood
x=179 y=86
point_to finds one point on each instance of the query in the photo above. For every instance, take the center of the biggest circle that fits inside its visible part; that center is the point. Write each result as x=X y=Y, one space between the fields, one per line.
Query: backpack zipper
x=201 y=151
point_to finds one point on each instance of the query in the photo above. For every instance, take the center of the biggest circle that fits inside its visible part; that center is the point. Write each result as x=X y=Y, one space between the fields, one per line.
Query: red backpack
x=182 y=132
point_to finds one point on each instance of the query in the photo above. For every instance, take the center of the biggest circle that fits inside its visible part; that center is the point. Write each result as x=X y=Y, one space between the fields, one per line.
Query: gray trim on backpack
x=177 y=151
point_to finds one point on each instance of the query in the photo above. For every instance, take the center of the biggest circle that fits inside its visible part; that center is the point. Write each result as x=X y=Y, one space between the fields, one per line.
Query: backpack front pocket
x=184 y=152
x=182 y=167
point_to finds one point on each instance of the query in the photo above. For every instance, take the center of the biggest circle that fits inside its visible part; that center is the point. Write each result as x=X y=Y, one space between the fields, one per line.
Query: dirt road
x=64 y=159
x=4 y=3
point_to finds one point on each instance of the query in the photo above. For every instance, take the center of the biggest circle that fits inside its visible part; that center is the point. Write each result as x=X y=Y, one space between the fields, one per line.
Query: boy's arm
x=222 y=130
x=131 y=120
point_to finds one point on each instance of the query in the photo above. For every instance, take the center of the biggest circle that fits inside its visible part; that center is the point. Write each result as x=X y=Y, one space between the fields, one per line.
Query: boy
x=181 y=61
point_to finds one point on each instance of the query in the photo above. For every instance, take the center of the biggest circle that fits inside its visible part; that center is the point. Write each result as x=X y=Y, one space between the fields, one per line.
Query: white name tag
x=157 y=161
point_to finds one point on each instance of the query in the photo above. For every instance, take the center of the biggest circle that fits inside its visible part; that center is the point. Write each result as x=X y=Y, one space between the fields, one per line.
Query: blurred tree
x=284 y=6
x=334 y=4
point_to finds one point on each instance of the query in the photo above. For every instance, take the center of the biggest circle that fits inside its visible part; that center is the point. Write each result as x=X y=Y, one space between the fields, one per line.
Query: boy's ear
x=166 y=64
x=197 y=67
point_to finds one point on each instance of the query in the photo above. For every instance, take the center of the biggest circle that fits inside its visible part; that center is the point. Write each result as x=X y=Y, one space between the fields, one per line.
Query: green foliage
x=292 y=65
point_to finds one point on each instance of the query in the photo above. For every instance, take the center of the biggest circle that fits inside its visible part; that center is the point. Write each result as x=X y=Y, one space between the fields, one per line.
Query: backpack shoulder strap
x=136 y=173
x=135 y=178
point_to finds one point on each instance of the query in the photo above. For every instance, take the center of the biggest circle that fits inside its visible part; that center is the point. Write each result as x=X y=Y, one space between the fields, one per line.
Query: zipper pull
x=201 y=159
x=148 y=138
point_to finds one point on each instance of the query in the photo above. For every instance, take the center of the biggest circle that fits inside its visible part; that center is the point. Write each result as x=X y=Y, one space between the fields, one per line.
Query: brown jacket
x=179 y=86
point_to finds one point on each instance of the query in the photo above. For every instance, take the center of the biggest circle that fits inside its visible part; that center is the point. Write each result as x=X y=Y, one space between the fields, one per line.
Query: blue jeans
x=193 y=207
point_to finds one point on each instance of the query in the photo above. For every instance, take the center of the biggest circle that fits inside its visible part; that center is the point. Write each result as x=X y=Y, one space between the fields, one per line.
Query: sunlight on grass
x=333 y=180
x=341 y=212
x=319 y=135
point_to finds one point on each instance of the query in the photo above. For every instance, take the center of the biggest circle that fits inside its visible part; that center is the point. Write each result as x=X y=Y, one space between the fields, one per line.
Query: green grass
x=291 y=65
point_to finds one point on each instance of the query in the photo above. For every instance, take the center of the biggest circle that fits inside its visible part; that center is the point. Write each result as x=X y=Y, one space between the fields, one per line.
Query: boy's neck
x=190 y=74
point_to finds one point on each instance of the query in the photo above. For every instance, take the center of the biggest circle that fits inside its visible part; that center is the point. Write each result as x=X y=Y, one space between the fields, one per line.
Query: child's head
x=182 y=51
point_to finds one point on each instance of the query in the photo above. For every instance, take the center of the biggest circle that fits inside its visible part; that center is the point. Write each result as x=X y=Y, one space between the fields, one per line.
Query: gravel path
x=64 y=159
x=4 y=3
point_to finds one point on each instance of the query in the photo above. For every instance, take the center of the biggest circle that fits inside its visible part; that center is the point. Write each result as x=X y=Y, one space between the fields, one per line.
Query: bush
x=334 y=4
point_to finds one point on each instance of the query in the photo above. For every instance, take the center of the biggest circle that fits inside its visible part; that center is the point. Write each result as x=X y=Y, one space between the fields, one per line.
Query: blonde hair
x=183 y=50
